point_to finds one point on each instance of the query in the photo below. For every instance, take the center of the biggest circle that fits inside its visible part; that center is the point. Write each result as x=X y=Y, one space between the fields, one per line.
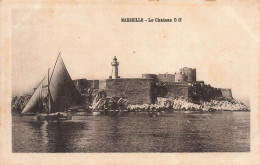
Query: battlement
x=184 y=75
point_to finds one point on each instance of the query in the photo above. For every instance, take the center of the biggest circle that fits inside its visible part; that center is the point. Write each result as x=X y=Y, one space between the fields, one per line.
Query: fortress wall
x=178 y=91
x=145 y=90
x=150 y=76
x=166 y=77
x=136 y=91
x=205 y=93
x=227 y=93
x=187 y=92
x=82 y=83
x=79 y=82
x=95 y=84
x=198 y=93
x=174 y=90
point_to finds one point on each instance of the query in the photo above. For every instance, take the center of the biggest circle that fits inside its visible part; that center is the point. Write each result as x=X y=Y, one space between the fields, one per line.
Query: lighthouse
x=115 y=64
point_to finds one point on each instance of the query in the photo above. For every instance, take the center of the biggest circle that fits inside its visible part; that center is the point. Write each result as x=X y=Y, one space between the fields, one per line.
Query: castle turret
x=180 y=77
x=191 y=73
x=115 y=64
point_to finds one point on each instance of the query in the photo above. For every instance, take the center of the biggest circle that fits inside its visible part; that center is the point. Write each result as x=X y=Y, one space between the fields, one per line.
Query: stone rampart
x=173 y=90
x=166 y=77
x=136 y=91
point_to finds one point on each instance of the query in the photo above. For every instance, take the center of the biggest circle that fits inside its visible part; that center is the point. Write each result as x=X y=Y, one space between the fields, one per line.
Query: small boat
x=53 y=103
x=53 y=116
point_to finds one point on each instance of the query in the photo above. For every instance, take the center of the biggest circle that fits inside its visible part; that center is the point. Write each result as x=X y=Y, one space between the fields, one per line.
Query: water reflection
x=177 y=132
x=55 y=136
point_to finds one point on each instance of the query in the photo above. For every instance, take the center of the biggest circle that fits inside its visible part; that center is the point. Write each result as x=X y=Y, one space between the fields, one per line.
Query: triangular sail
x=35 y=102
x=62 y=89
x=62 y=92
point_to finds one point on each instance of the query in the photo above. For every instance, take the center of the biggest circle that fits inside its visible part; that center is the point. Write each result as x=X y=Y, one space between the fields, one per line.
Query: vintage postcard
x=129 y=82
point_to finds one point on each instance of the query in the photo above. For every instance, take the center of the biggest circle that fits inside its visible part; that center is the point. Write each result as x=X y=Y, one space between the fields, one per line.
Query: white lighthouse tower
x=115 y=64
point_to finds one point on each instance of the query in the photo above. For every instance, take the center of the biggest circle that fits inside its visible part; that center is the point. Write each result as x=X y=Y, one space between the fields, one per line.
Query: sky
x=218 y=40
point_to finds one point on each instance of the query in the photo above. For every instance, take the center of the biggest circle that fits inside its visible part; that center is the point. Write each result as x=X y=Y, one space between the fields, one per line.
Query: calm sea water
x=175 y=132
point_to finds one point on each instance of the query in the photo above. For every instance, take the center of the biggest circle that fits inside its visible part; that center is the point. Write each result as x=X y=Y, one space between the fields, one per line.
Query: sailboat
x=61 y=94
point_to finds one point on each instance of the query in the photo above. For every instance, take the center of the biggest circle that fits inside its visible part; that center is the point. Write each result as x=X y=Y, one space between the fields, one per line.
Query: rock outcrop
x=98 y=100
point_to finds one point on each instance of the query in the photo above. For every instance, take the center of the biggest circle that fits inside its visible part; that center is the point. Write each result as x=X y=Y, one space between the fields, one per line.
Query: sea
x=134 y=132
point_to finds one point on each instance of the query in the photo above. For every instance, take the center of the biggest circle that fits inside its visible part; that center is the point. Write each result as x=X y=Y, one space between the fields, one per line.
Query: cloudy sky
x=218 y=40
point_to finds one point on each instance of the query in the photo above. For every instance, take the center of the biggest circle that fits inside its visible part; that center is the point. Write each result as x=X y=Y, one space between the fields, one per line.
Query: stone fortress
x=145 y=90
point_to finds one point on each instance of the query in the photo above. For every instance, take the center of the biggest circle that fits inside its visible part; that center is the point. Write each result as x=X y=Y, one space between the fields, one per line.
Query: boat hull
x=54 y=117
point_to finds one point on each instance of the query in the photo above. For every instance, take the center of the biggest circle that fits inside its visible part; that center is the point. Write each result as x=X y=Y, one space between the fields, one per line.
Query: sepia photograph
x=148 y=77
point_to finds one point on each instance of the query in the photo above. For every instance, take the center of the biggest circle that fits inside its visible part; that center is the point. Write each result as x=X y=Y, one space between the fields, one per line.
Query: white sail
x=35 y=102
x=62 y=92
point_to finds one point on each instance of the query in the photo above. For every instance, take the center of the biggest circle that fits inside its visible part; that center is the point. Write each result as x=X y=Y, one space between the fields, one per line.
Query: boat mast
x=49 y=94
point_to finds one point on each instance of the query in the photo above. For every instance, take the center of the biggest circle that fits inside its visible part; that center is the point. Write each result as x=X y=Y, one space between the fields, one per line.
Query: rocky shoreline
x=100 y=102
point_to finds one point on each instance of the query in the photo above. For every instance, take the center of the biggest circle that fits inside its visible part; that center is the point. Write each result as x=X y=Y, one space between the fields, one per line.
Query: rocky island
x=172 y=92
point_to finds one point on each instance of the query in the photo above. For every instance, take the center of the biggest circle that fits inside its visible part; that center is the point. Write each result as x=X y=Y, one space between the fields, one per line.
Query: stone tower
x=191 y=73
x=115 y=64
